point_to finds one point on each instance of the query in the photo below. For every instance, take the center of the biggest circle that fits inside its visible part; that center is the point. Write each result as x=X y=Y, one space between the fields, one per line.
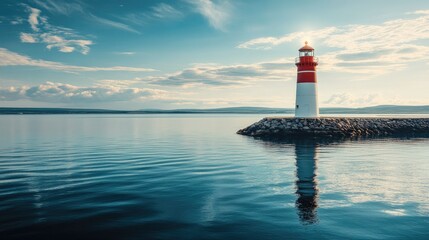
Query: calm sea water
x=192 y=177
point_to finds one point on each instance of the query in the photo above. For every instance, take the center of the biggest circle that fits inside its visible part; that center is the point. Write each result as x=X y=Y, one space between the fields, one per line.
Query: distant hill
x=382 y=109
x=251 y=110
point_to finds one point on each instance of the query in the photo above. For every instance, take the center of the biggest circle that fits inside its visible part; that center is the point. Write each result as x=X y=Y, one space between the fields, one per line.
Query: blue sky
x=210 y=53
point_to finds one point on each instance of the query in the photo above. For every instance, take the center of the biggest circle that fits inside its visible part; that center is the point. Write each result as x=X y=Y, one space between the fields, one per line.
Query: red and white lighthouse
x=306 y=89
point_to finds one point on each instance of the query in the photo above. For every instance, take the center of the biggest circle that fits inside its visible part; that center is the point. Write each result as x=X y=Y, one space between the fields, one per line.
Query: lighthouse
x=306 y=88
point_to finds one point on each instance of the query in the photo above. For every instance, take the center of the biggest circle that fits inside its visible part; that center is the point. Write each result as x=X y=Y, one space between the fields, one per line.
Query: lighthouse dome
x=306 y=48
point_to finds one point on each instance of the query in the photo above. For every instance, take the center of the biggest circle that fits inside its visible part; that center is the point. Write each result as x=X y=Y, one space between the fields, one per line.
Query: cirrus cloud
x=163 y=10
x=217 y=13
x=63 y=39
x=60 y=7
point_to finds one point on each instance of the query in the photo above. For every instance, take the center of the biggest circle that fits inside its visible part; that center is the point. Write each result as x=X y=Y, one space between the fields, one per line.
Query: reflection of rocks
x=306 y=184
x=337 y=127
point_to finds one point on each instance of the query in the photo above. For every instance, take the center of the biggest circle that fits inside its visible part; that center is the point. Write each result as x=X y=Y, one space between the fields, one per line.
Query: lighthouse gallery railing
x=305 y=60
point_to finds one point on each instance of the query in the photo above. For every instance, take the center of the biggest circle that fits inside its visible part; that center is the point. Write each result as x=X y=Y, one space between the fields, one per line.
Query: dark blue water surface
x=192 y=177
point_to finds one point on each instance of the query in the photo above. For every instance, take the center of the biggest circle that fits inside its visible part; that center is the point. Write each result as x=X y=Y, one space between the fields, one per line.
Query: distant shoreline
x=383 y=109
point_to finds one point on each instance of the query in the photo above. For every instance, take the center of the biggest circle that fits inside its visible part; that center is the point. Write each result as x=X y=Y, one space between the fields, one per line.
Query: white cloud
x=66 y=49
x=63 y=39
x=216 y=12
x=65 y=45
x=27 y=38
x=270 y=42
x=66 y=93
x=8 y=58
x=224 y=75
x=365 y=49
x=33 y=18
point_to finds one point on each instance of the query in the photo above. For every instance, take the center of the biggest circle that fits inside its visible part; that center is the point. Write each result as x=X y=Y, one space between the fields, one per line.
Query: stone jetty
x=336 y=127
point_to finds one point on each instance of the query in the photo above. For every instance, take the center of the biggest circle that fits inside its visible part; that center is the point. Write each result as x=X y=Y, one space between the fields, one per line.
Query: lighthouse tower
x=306 y=88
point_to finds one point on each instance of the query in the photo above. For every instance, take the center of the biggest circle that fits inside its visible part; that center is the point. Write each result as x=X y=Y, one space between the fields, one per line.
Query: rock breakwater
x=336 y=127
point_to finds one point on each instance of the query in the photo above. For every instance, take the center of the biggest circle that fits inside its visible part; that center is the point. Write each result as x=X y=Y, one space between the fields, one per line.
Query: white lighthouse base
x=306 y=101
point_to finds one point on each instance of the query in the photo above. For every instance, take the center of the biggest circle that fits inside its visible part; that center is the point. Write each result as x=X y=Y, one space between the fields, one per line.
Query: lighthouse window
x=302 y=54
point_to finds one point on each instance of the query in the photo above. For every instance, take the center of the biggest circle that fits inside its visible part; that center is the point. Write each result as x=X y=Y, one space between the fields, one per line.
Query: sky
x=210 y=53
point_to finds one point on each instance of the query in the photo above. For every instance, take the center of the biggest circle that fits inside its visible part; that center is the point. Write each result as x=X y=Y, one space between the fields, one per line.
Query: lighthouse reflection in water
x=306 y=183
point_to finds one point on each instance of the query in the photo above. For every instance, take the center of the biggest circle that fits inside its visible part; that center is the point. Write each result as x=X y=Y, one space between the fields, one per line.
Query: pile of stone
x=336 y=127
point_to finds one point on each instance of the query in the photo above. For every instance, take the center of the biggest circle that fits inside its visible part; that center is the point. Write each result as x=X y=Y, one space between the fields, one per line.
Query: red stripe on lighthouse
x=306 y=77
x=302 y=67
x=306 y=69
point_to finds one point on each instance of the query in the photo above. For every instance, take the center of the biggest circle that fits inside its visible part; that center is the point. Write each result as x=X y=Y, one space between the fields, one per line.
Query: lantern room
x=306 y=57
x=306 y=51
